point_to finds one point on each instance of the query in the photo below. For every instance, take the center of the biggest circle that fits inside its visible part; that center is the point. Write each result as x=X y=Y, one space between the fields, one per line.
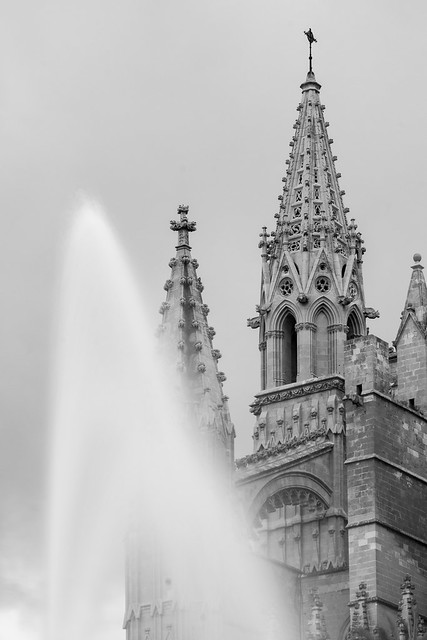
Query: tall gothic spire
x=312 y=260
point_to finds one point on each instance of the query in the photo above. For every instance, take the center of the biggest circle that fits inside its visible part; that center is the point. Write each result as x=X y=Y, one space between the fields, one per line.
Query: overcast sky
x=145 y=105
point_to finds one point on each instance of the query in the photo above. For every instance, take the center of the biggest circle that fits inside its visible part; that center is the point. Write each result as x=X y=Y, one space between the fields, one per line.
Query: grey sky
x=149 y=104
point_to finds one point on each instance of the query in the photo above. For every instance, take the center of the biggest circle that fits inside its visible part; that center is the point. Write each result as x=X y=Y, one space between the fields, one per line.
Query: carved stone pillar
x=305 y=350
x=337 y=336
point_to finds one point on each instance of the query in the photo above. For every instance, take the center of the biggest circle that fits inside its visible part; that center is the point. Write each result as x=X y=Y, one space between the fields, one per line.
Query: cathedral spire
x=187 y=339
x=312 y=280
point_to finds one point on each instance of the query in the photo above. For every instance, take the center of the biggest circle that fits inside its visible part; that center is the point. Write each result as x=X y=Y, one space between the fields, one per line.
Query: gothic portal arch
x=289 y=520
x=284 y=485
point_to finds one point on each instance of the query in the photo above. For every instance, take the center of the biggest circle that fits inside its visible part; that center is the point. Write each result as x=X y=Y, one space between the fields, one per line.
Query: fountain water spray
x=121 y=453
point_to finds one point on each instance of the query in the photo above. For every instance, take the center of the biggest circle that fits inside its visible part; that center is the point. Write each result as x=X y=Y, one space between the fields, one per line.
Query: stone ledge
x=386 y=525
x=296 y=390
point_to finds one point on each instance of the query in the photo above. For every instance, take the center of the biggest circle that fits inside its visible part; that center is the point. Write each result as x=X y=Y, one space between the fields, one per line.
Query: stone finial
x=410 y=625
x=183 y=226
x=316 y=623
x=264 y=243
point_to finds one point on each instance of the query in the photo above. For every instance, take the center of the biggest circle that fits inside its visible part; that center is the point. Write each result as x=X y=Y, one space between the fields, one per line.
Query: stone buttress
x=386 y=408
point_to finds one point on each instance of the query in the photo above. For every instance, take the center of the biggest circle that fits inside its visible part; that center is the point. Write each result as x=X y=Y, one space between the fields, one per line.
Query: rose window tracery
x=294 y=246
x=286 y=286
x=323 y=284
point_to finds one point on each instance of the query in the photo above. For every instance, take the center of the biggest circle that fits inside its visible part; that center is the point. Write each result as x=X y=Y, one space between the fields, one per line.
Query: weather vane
x=311 y=39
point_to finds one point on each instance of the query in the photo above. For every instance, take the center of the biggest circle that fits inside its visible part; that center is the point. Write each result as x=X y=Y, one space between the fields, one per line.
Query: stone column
x=305 y=331
x=337 y=337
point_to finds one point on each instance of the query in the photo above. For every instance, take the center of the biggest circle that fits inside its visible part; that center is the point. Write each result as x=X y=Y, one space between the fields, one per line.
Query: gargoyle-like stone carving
x=355 y=399
x=254 y=323
x=302 y=298
x=371 y=313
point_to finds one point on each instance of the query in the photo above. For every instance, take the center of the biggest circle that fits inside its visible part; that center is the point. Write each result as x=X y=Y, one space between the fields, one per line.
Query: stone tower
x=312 y=303
x=336 y=485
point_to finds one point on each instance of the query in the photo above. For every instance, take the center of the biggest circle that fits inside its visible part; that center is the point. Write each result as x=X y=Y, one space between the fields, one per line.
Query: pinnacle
x=187 y=336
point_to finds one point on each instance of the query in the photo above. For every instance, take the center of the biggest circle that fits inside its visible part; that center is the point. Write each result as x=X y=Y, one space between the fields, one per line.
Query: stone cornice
x=374 y=456
x=296 y=391
x=290 y=447
x=386 y=525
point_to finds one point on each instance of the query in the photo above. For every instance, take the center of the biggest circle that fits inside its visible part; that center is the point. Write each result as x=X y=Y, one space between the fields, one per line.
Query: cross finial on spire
x=311 y=39
x=183 y=226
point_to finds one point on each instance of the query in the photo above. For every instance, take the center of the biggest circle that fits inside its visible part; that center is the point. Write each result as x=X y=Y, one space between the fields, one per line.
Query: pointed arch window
x=322 y=345
x=354 y=329
x=289 y=351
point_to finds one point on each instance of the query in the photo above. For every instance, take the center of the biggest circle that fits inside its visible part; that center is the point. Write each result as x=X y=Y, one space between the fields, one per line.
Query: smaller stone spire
x=410 y=625
x=411 y=343
x=186 y=338
x=417 y=292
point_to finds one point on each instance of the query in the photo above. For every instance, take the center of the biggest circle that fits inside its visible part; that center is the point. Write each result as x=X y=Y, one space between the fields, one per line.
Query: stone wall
x=387 y=484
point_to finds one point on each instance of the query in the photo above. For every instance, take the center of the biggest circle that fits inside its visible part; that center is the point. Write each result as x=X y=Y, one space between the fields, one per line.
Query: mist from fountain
x=120 y=452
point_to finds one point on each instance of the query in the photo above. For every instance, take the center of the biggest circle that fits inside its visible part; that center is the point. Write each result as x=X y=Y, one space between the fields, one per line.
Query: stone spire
x=416 y=299
x=411 y=343
x=187 y=337
x=312 y=261
x=410 y=625
x=312 y=219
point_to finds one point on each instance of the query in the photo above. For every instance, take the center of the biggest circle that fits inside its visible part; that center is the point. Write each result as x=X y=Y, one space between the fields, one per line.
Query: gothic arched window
x=289 y=350
x=353 y=325
x=322 y=345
